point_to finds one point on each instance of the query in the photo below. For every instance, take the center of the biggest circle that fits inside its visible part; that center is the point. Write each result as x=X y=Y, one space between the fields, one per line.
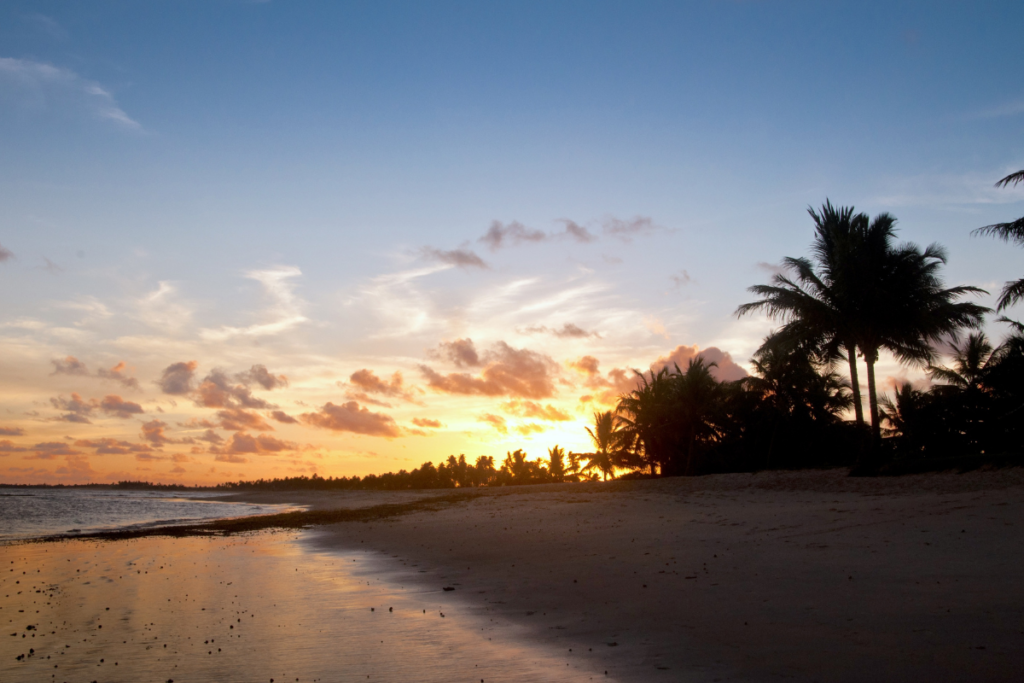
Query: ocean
x=32 y=513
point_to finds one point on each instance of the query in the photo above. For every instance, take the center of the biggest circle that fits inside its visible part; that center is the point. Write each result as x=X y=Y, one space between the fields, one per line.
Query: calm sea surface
x=30 y=513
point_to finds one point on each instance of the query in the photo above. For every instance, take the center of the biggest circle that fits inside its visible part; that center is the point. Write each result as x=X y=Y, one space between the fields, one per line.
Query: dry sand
x=803 y=576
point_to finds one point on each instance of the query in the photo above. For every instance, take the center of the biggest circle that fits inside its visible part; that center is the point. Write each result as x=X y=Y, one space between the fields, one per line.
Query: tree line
x=860 y=293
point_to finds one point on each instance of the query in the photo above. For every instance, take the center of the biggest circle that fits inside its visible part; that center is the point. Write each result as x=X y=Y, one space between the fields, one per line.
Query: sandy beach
x=803 y=576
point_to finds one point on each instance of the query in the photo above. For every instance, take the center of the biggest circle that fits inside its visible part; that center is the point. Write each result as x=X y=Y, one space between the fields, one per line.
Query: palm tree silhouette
x=556 y=465
x=970 y=362
x=907 y=310
x=866 y=294
x=1008 y=232
x=819 y=306
x=647 y=416
x=607 y=439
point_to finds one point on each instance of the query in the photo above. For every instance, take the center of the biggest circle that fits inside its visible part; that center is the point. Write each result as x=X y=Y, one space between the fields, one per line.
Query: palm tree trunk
x=876 y=428
x=858 y=407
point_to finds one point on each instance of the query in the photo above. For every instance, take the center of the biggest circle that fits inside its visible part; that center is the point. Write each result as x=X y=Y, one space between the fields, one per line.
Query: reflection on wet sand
x=257 y=608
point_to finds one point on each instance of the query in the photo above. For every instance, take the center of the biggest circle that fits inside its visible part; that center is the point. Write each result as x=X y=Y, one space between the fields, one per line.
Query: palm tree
x=907 y=310
x=607 y=439
x=647 y=415
x=817 y=306
x=556 y=466
x=1008 y=232
x=970 y=362
x=867 y=294
x=903 y=414
x=575 y=464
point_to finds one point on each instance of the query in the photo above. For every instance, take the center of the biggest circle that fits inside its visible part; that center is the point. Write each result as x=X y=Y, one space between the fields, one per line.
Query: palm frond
x=1011 y=294
x=1011 y=179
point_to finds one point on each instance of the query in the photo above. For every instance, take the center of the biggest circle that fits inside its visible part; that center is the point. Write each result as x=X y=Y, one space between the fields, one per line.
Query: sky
x=244 y=240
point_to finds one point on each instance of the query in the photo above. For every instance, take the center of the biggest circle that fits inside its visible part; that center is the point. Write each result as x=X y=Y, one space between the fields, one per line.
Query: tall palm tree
x=907 y=310
x=866 y=294
x=607 y=438
x=818 y=305
x=1008 y=232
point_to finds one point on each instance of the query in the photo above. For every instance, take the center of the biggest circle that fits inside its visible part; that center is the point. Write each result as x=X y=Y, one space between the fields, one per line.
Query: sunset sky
x=258 y=239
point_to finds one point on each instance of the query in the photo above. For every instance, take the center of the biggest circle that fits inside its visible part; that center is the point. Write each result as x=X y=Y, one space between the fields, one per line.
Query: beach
x=803 y=576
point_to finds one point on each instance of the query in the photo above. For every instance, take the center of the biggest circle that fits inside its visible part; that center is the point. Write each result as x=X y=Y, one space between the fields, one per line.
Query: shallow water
x=31 y=513
x=245 y=609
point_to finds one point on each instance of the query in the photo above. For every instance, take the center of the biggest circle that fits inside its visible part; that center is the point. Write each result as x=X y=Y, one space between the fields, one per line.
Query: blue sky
x=291 y=185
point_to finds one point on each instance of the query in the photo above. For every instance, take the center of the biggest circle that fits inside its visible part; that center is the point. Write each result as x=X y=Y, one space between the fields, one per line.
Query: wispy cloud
x=1014 y=108
x=47 y=25
x=40 y=86
x=283 y=313
x=949 y=190
x=5 y=254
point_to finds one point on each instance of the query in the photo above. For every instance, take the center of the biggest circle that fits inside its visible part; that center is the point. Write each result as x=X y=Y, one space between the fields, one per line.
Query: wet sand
x=805 y=576
x=256 y=608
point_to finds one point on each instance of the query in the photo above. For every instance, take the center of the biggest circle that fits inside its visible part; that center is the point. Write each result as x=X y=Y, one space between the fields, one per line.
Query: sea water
x=36 y=512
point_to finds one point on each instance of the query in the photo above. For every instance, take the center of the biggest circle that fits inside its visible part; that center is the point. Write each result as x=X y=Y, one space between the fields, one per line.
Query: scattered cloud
x=528 y=428
x=772 y=268
x=351 y=417
x=217 y=390
x=238 y=420
x=363 y=383
x=283 y=417
x=7 y=446
x=155 y=432
x=37 y=86
x=242 y=443
x=117 y=374
x=231 y=458
x=501 y=235
x=50 y=450
x=78 y=409
x=424 y=422
x=69 y=366
x=530 y=409
x=5 y=254
x=177 y=378
x=496 y=421
x=507 y=235
x=638 y=226
x=577 y=231
x=108 y=446
x=117 y=406
x=567 y=331
x=12 y=431
x=258 y=374
x=459 y=258
x=507 y=371
x=726 y=370
x=461 y=352
x=587 y=365
x=681 y=279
